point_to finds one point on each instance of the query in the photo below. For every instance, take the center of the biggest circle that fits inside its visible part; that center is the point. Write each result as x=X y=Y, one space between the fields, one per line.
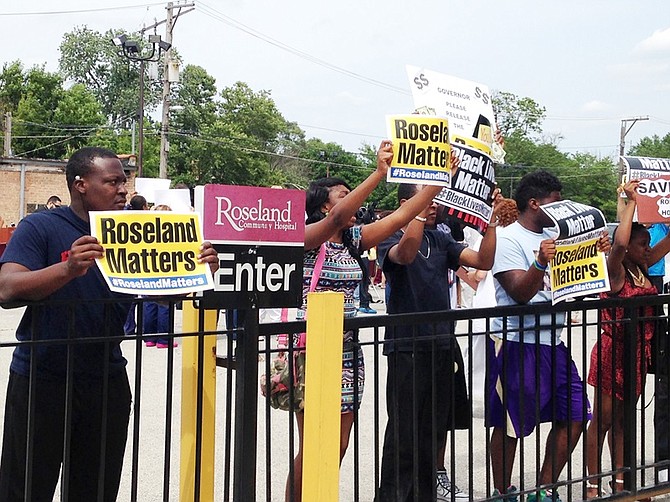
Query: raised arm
x=342 y=213
x=413 y=213
x=615 y=268
x=483 y=259
x=418 y=205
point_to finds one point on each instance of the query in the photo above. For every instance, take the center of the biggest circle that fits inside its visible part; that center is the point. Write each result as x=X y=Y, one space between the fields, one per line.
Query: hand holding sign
x=209 y=255
x=604 y=244
x=82 y=255
x=384 y=157
x=496 y=199
x=546 y=252
x=630 y=189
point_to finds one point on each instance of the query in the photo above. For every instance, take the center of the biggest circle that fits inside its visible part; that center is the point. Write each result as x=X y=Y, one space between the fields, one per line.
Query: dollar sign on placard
x=421 y=81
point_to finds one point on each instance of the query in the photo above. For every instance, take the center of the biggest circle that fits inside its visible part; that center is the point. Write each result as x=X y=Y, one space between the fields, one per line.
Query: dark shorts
x=529 y=384
x=89 y=430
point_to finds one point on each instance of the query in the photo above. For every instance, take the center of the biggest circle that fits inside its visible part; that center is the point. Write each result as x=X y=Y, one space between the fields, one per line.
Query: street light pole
x=132 y=51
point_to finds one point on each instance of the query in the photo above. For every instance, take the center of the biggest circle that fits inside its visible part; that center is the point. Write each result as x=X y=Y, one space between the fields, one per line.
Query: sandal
x=593 y=491
x=616 y=485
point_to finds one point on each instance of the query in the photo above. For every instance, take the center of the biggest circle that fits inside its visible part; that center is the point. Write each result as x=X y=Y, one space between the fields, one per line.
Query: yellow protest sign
x=151 y=253
x=420 y=149
x=577 y=270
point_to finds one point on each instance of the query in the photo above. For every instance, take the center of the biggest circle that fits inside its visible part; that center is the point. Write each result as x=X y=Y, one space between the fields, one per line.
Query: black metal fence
x=255 y=444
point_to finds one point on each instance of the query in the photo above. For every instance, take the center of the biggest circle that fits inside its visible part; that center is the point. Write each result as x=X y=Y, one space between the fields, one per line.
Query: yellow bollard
x=189 y=386
x=323 y=388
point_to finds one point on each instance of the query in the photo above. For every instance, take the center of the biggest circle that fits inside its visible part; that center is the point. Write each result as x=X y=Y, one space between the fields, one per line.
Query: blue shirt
x=43 y=239
x=656 y=232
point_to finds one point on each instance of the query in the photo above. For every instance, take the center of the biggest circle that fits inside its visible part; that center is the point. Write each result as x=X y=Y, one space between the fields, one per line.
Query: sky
x=338 y=68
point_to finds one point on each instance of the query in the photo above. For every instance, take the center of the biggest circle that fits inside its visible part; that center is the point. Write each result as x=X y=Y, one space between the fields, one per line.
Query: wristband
x=420 y=218
x=537 y=265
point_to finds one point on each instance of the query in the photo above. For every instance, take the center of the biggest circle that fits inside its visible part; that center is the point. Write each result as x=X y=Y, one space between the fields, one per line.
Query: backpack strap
x=318 y=265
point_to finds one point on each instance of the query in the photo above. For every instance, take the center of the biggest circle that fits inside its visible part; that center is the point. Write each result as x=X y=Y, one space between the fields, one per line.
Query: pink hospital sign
x=259 y=235
x=241 y=214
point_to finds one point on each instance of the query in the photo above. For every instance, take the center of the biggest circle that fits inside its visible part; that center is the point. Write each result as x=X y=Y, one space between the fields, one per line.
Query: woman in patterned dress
x=627 y=267
x=330 y=209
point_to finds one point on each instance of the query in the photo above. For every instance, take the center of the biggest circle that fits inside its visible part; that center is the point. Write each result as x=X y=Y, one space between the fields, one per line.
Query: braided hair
x=317 y=195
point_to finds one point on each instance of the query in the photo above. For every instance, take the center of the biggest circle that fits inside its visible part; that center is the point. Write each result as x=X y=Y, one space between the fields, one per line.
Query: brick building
x=28 y=183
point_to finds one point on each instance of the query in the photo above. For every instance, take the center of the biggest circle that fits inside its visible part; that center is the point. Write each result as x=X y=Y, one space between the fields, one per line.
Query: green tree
x=233 y=137
x=34 y=127
x=654 y=146
x=88 y=57
x=517 y=116
x=11 y=86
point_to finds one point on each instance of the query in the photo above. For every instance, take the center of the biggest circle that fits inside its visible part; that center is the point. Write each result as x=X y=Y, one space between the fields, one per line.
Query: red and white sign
x=653 y=200
x=259 y=234
x=241 y=214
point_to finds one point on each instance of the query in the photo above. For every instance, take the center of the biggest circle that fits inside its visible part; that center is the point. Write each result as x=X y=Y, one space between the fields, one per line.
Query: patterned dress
x=611 y=345
x=341 y=273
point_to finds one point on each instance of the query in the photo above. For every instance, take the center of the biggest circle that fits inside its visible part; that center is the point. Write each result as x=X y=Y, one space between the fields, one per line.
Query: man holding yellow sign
x=51 y=257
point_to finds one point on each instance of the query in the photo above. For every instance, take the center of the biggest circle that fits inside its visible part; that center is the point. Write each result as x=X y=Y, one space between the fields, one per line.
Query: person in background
x=474 y=356
x=365 y=216
x=137 y=203
x=156 y=315
x=656 y=271
x=53 y=202
x=657 y=232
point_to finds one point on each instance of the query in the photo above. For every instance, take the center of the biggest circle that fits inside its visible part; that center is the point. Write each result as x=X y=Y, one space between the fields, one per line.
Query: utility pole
x=140 y=114
x=8 y=135
x=169 y=26
x=625 y=129
x=165 y=144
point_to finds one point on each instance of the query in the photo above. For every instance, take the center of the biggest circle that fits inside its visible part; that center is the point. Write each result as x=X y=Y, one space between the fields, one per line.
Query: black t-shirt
x=43 y=239
x=421 y=286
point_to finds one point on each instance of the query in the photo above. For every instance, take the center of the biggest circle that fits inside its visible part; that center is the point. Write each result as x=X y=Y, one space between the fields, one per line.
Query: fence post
x=323 y=387
x=629 y=397
x=246 y=409
x=191 y=423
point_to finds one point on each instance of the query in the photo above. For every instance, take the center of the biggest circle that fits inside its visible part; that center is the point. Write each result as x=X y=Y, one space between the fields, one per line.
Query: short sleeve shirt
x=516 y=249
x=421 y=286
x=43 y=239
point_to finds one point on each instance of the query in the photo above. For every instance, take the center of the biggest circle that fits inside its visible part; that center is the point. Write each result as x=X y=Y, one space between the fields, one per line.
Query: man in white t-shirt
x=532 y=377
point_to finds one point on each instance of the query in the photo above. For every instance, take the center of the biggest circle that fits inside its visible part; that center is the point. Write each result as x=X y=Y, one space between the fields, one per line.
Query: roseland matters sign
x=259 y=234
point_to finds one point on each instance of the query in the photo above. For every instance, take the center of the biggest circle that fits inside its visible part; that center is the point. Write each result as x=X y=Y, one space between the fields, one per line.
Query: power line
x=214 y=14
x=376 y=136
x=83 y=134
x=228 y=142
x=79 y=11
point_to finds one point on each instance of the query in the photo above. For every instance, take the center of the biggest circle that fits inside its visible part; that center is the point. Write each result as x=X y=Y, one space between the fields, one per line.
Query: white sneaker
x=445 y=489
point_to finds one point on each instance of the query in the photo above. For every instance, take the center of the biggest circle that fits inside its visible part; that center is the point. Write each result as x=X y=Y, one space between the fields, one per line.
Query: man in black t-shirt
x=422 y=358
